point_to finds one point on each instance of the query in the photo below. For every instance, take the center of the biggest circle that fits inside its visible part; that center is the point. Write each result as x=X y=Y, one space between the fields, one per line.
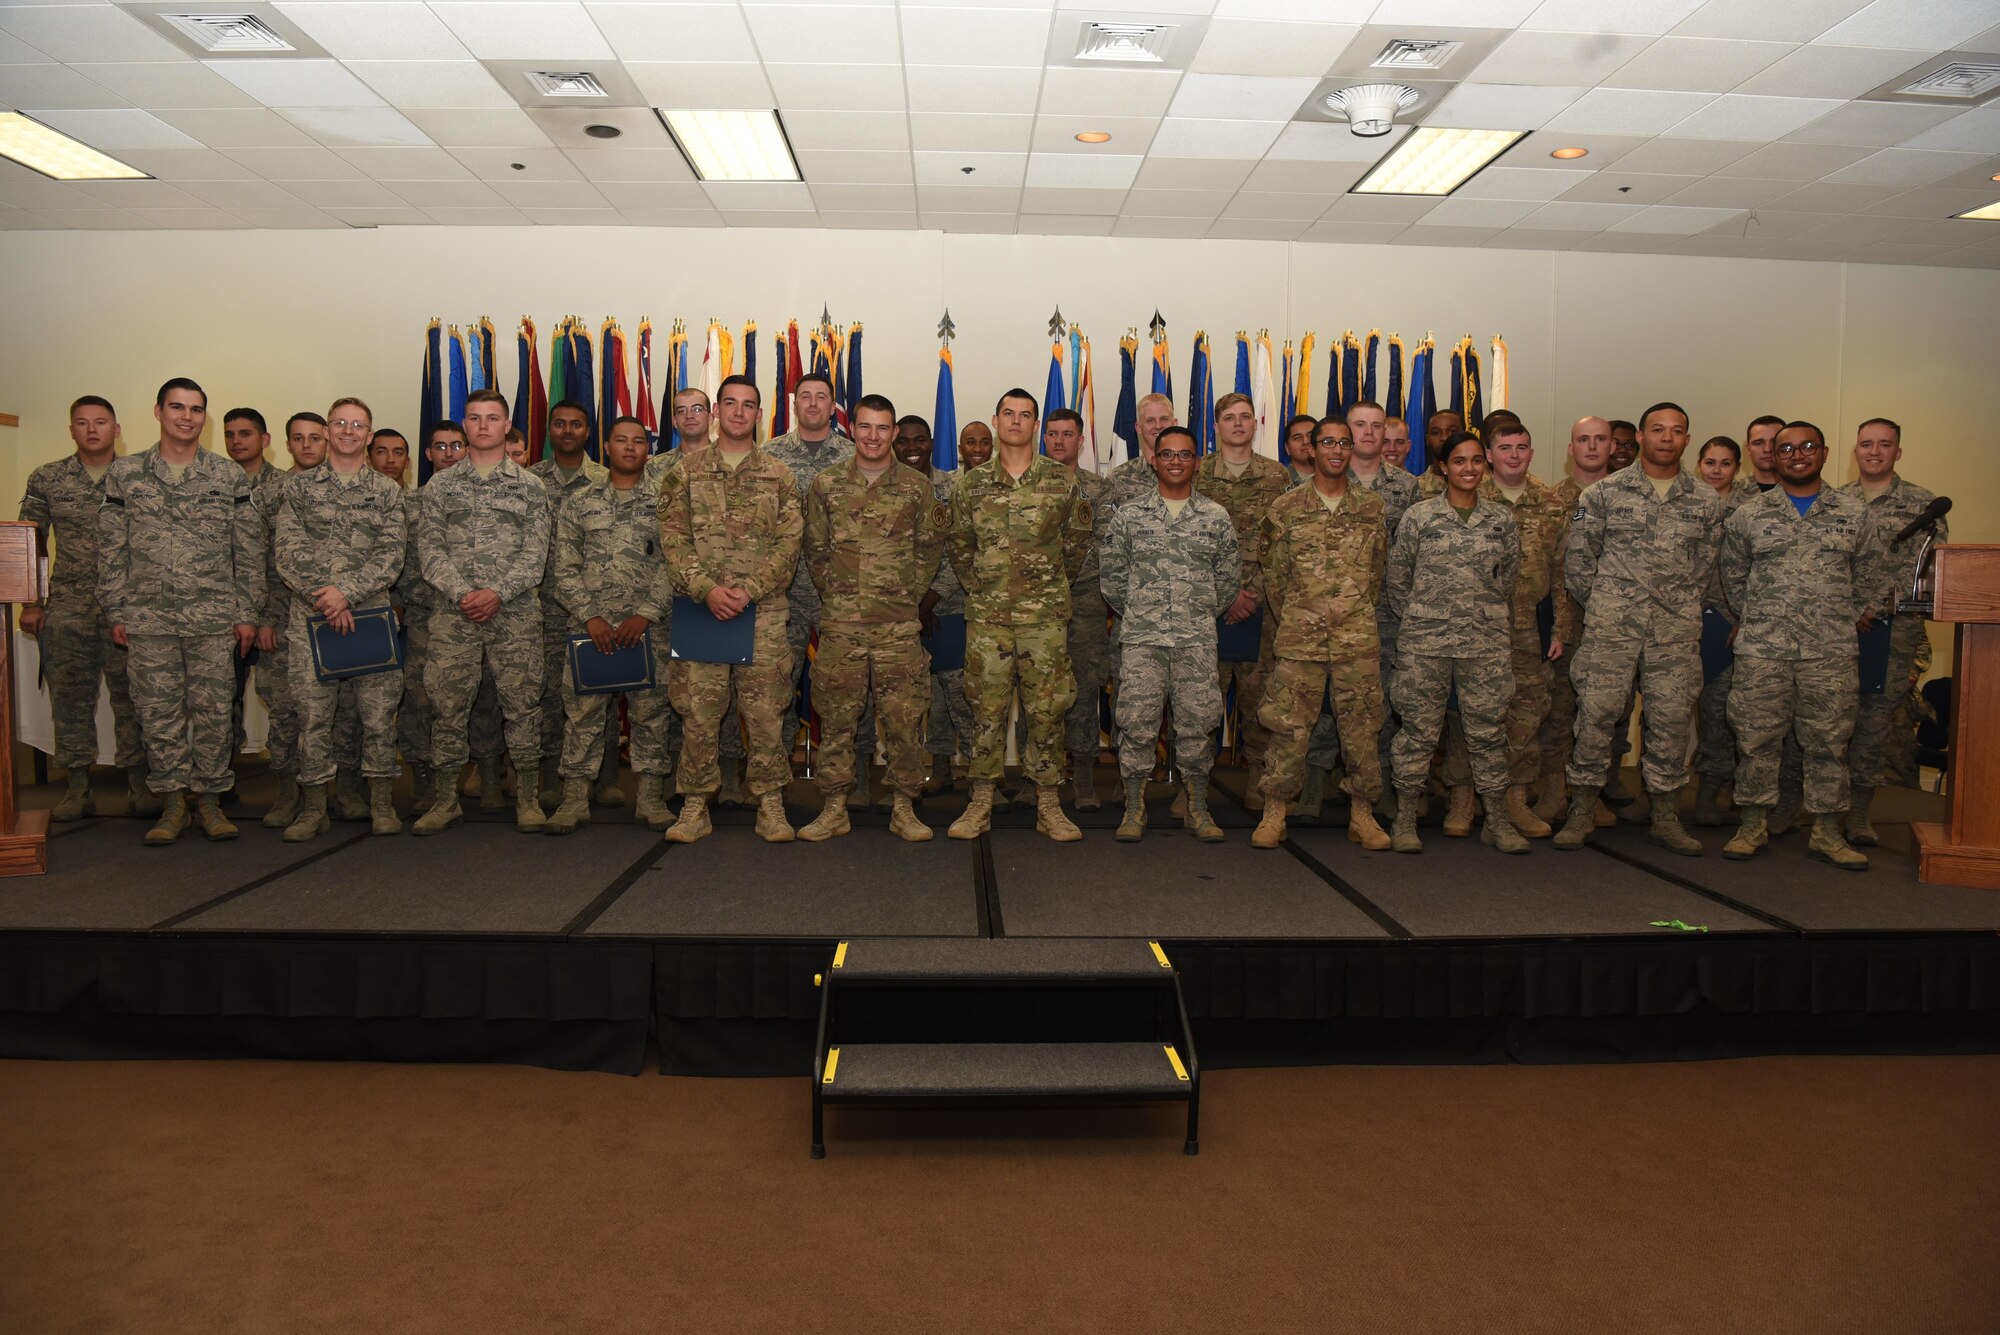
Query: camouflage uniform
x=349 y=532
x=609 y=564
x=562 y=485
x=488 y=532
x=1397 y=489
x=180 y=565
x=871 y=550
x=1798 y=586
x=806 y=462
x=951 y=715
x=1322 y=576
x=738 y=526
x=63 y=499
x=1715 y=742
x=1089 y=633
x=274 y=666
x=1133 y=480
x=1558 y=733
x=415 y=601
x=1873 y=757
x=1541 y=520
x=1169 y=576
x=1247 y=497
x=1451 y=585
x=1638 y=564
x=1016 y=545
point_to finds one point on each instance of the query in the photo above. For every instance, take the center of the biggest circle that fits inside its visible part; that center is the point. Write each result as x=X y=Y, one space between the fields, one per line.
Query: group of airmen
x=1471 y=628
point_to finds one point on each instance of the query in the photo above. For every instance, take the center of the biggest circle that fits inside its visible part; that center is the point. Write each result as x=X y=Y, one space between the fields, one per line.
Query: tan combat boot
x=1458 y=815
x=208 y=811
x=529 y=818
x=1270 y=831
x=772 y=827
x=382 y=817
x=1198 y=819
x=1133 y=827
x=693 y=823
x=348 y=801
x=903 y=822
x=978 y=817
x=1582 y=820
x=650 y=808
x=831 y=823
x=1827 y=845
x=76 y=802
x=1499 y=832
x=311 y=821
x=1668 y=832
x=1522 y=816
x=492 y=795
x=286 y=809
x=574 y=812
x=445 y=811
x=1404 y=838
x=1362 y=828
x=1859 y=829
x=173 y=820
x=1050 y=819
x=1553 y=800
x=1753 y=831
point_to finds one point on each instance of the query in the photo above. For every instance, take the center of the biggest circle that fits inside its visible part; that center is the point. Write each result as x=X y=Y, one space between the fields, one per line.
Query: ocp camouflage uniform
x=562 y=484
x=349 y=532
x=1451 y=586
x=871 y=550
x=62 y=500
x=807 y=460
x=1016 y=545
x=180 y=565
x=1170 y=576
x=951 y=714
x=485 y=532
x=1798 y=586
x=1089 y=632
x=609 y=564
x=1246 y=497
x=1639 y=564
x=741 y=527
x=1323 y=564
x=1874 y=758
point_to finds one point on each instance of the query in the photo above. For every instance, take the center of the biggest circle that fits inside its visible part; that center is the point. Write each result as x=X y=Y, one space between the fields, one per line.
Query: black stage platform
x=484 y=944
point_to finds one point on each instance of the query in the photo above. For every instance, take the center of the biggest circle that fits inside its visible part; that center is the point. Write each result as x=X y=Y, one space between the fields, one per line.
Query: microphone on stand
x=1931 y=513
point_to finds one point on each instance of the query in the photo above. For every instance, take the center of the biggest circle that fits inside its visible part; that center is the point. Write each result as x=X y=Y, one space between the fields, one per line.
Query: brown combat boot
x=1050 y=818
x=1198 y=818
x=1270 y=831
x=1753 y=832
x=1362 y=829
x=1827 y=845
x=1404 y=838
x=1133 y=827
x=1582 y=820
x=1553 y=801
x=1458 y=815
x=573 y=813
x=173 y=821
x=1668 y=832
x=76 y=802
x=978 y=816
x=903 y=822
x=445 y=811
x=208 y=811
x=311 y=821
x=1859 y=829
x=1522 y=815
x=831 y=823
x=1499 y=832
x=650 y=809
x=772 y=827
x=693 y=823
x=286 y=809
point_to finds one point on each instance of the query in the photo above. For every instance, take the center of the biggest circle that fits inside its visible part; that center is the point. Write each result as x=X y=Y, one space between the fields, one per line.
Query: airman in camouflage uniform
x=1324 y=547
x=1169 y=564
x=730 y=524
x=1397 y=489
x=1799 y=584
x=950 y=715
x=62 y=501
x=306 y=442
x=870 y=546
x=180 y=575
x=565 y=471
x=1715 y=740
x=483 y=528
x=1016 y=543
x=1089 y=618
x=1638 y=557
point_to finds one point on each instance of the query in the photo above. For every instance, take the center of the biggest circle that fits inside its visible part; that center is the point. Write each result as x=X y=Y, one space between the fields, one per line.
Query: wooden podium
x=24 y=835
x=1965 y=590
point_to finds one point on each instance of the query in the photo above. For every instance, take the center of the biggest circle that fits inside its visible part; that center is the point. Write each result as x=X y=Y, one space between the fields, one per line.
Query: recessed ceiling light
x=1100 y=137
x=1568 y=153
x=1993 y=178
x=733 y=145
x=56 y=155
x=602 y=131
x=1436 y=161
x=1991 y=213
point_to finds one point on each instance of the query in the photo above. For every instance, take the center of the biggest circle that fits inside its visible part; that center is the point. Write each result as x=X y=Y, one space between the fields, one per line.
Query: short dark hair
x=1452 y=442
x=1018 y=393
x=1442 y=412
x=1297 y=418
x=296 y=418
x=1873 y=421
x=1663 y=407
x=1168 y=431
x=810 y=376
x=448 y=426
x=1617 y=422
x=1065 y=415
x=572 y=405
x=1768 y=419
x=908 y=418
x=235 y=415
x=1335 y=418
x=99 y=401
x=1735 y=450
x=619 y=421
x=488 y=396
x=1367 y=403
x=1509 y=425
x=1807 y=426
x=376 y=439
x=179 y=382
x=729 y=380
x=875 y=403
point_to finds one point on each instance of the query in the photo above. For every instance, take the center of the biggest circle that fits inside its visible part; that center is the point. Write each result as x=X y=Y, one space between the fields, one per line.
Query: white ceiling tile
x=968 y=198
x=1214 y=138
x=298 y=83
x=1129 y=134
x=372 y=31
x=186 y=164
x=1570 y=216
x=1513 y=238
x=1968 y=132
x=382 y=217
x=1698 y=64
x=1683 y=157
x=517 y=164
x=971 y=131
x=1097 y=171
x=516 y=31
x=669 y=217
x=1932 y=202
x=1353 y=233
x=965 y=36
x=1741 y=116
x=96 y=220
x=239 y=129
x=1379 y=209
x=1493 y=106
x=1564 y=58
x=286 y=219
x=1275 y=206
x=1857 y=229
x=1893 y=252
x=898 y=220
x=1461 y=13
x=683 y=85
x=1306 y=141
x=1918 y=25
x=1626 y=243
x=242 y=194
x=779 y=195
x=1628 y=111
x=91 y=32
x=1823 y=198
x=1870 y=124
x=837 y=87
x=138 y=194
x=1056 y=199
x=707 y=32
x=1178 y=203
x=627 y=195
x=1193 y=173
x=1954 y=231
x=356 y=127
x=1477 y=213
x=1679 y=221
x=1829 y=71
x=1805 y=248
x=832 y=33
x=1044 y=224
x=1716 y=245
x=1768 y=225
x=406 y=164
x=1793 y=162
x=549 y=194
x=1620 y=187
x=959 y=90
x=848 y=129
x=1793 y=21
x=491 y=127
x=1009 y=169
x=1614 y=16
x=632 y=164
x=1527 y=183
x=170 y=84
x=14 y=51
x=343 y=194
x=1445 y=236
x=1240 y=97
x=190 y=220
x=863 y=198
x=44 y=194
x=1731 y=192
x=869 y=166
x=447 y=194
x=433 y=84
x=1904 y=167
x=1139 y=225
x=52 y=87
x=1262 y=47
x=1100 y=92
x=997 y=223
x=763 y=218
x=1305 y=177
x=112 y=130
x=1252 y=229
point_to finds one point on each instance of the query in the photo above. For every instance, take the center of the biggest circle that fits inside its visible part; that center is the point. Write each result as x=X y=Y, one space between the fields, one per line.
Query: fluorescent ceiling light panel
x=1433 y=160
x=733 y=145
x=1991 y=213
x=56 y=155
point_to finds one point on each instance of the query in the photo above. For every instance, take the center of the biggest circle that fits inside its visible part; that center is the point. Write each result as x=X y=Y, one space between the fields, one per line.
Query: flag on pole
x=1302 y=395
x=1264 y=399
x=1475 y=400
x=711 y=362
x=1052 y=391
x=672 y=383
x=583 y=381
x=1368 y=365
x=531 y=400
x=781 y=405
x=430 y=401
x=1086 y=399
x=1501 y=387
x=1350 y=371
x=792 y=369
x=1125 y=417
x=1420 y=403
x=750 y=350
x=1287 y=398
x=1242 y=385
x=475 y=358
x=561 y=372
x=1393 y=405
x=649 y=412
x=837 y=359
x=1201 y=401
x=455 y=382
x=1458 y=380
x=1163 y=370
x=851 y=387
x=944 y=431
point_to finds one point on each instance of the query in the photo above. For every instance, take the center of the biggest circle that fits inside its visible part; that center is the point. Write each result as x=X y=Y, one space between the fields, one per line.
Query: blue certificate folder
x=1874 y=647
x=1239 y=643
x=947 y=647
x=1716 y=652
x=372 y=646
x=629 y=669
x=699 y=638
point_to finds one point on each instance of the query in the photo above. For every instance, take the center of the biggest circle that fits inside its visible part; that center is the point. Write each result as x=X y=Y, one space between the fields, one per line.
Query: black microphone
x=1933 y=512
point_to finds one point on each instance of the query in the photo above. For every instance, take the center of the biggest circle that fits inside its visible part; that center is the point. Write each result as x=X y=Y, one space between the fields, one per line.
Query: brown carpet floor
x=1767 y=1195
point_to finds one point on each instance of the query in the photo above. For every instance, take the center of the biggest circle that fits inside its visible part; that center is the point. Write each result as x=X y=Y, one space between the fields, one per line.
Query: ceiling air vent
x=1415 y=53
x=1134 y=43
x=1969 y=80
x=565 y=83
x=232 y=34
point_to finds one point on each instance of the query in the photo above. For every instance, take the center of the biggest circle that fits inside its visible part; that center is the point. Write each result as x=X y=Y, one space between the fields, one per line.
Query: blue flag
x=430 y=405
x=944 y=433
x=750 y=355
x=1368 y=367
x=850 y=388
x=1350 y=374
x=1201 y=395
x=1394 y=403
x=455 y=387
x=1052 y=393
x=583 y=385
x=1418 y=414
x=1242 y=362
x=1125 y=421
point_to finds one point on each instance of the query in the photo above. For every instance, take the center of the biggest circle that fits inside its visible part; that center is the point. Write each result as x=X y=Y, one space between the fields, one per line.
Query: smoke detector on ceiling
x=1371 y=108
